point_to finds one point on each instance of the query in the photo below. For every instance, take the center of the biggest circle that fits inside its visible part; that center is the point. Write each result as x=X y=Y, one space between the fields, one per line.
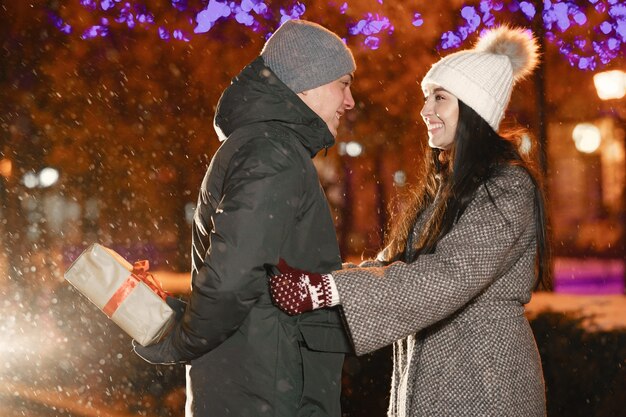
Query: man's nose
x=348 y=99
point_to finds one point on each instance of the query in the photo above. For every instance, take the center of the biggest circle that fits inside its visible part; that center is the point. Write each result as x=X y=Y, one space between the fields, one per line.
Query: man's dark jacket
x=260 y=201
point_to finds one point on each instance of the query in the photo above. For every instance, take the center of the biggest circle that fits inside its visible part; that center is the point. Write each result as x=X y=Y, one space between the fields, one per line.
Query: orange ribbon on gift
x=138 y=274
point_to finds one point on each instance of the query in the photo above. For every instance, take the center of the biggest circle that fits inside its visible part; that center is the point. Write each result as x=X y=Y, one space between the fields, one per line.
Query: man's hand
x=295 y=291
x=178 y=306
x=163 y=352
x=159 y=353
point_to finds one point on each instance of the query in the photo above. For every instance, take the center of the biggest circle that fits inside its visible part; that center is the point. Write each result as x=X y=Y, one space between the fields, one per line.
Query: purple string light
x=559 y=17
x=126 y=16
x=180 y=35
x=256 y=6
x=472 y=18
x=88 y=4
x=180 y=5
x=164 y=34
x=417 y=20
x=297 y=10
x=528 y=9
x=59 y=23
x=371 y=26
x=109 y=4
x=242 y=13
x=96 y=31
x=207 y=18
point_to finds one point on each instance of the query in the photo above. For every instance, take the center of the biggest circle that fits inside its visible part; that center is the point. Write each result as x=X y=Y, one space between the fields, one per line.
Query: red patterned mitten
x=295 y=291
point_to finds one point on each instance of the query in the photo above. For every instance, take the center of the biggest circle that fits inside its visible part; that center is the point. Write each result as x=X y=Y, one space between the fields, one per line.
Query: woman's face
x=441 y=116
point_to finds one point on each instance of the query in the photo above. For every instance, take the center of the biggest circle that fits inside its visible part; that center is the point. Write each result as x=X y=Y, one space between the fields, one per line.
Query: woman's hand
x=296 y=291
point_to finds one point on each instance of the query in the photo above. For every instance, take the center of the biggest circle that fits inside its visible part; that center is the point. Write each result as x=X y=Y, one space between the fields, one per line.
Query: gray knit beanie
x=305 y=55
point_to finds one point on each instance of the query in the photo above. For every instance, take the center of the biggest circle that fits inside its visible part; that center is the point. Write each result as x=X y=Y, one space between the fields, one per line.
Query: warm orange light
x=610 y=84
x=6 y=167
x=586 y=137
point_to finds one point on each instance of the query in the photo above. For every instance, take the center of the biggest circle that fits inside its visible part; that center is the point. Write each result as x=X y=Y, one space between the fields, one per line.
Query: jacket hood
x=257 y=95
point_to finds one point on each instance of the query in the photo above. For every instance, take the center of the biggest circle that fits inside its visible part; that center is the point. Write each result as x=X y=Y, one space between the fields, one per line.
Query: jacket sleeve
x=385 y=304
x=260 y=199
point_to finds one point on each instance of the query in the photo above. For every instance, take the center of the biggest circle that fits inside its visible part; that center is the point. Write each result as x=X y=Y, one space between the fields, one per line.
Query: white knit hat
x=483 y=77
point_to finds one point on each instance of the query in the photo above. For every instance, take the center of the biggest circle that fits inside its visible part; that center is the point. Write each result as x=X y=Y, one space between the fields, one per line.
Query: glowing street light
x=45 y=178
x=6 y=167
x=48 y=176
x=586 y=137
x=354 y=149
x=610 y=84
x=351 y=148
x=30 y=180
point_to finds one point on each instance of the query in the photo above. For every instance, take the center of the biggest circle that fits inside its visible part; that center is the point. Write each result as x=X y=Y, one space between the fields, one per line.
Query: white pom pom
x=517 y=44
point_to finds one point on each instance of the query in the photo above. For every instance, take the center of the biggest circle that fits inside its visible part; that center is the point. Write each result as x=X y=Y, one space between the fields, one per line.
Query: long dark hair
x=451 y=180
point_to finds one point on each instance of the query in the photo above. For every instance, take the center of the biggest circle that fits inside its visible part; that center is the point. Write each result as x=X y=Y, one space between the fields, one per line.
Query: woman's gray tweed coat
x=464 y=346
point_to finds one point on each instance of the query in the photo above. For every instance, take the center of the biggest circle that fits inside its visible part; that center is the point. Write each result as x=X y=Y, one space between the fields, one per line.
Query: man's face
x=330 y=101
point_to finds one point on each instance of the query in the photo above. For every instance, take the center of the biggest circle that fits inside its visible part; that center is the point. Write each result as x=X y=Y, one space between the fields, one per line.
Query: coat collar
x=257 y=95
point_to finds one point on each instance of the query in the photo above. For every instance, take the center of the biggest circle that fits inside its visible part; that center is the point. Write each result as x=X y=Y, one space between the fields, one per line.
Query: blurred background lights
x=45 y=178
x=48 y=176
x=526 y=144
x=30 y=180
x=354 y=149
x=351 y=148
x=6 y=167
x=586 y=137
x=399 y=178
x=190 y=209
x=610 y=84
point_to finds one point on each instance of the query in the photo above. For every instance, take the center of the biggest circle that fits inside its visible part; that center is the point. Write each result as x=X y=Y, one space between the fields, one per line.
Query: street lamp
x=44 y=178
x=352 y=149
x=611 y=85
x=6 y=167
x=586 y=137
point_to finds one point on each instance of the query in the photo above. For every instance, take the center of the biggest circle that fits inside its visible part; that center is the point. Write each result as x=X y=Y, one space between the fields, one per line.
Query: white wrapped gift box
x=123 y=294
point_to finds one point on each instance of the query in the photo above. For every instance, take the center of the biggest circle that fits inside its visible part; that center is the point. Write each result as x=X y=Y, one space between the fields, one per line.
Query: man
x=261 y=201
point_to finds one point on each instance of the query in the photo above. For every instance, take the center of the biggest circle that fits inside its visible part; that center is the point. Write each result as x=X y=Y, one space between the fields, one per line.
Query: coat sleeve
x=259 y=200
x=385 y=304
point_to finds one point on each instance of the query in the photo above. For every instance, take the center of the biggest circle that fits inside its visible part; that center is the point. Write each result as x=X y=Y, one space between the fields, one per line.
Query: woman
x=450 y=287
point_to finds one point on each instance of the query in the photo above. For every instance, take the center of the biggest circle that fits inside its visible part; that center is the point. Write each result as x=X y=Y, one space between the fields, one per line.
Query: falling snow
x=119 y=97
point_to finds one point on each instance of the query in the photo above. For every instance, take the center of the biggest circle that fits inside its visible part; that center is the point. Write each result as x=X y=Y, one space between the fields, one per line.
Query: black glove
x=163 y=352
x=178 y=306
